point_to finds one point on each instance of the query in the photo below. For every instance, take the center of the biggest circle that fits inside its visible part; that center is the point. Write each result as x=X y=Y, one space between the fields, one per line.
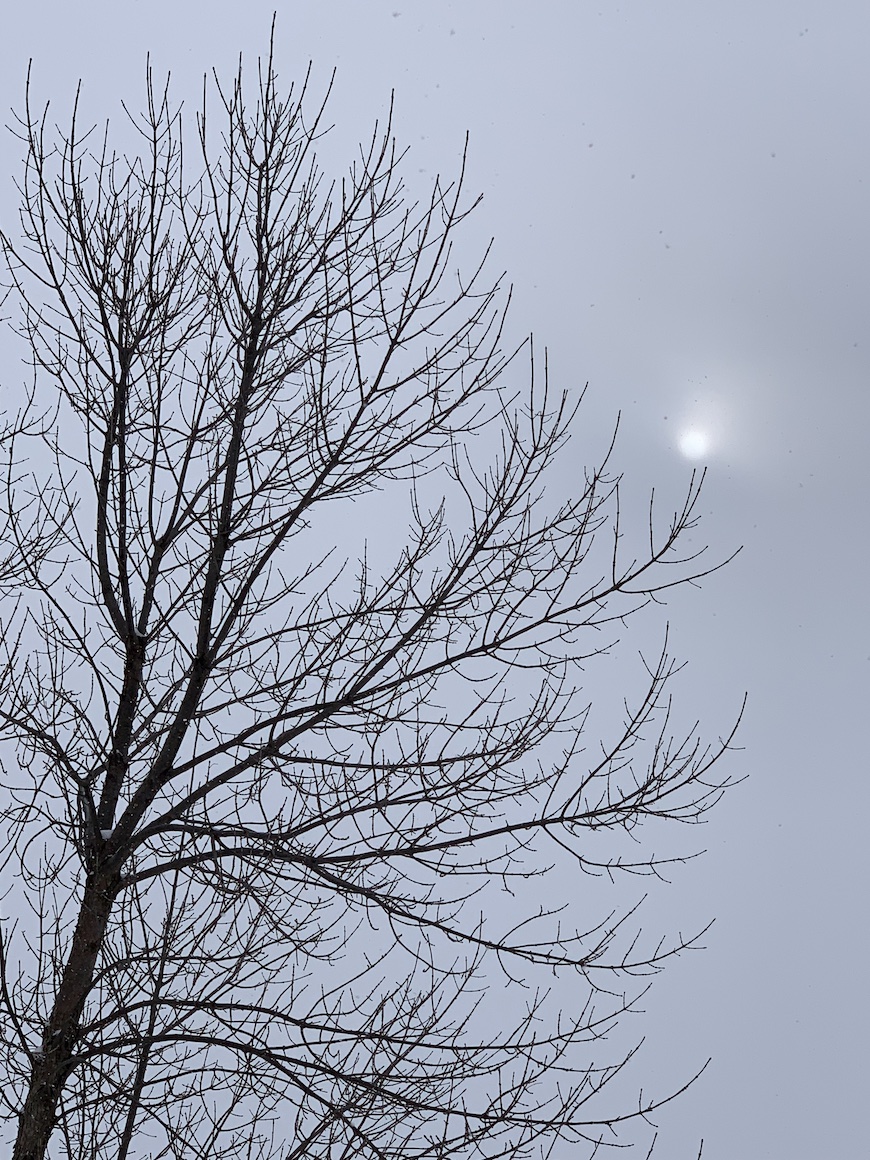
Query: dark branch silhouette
x=299 y=805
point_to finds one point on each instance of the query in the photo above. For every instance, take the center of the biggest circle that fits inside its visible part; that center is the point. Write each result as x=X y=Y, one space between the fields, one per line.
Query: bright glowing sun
x=694 y=444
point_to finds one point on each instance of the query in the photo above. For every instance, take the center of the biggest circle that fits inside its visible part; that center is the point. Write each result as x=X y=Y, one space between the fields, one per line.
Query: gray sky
x=678 y=191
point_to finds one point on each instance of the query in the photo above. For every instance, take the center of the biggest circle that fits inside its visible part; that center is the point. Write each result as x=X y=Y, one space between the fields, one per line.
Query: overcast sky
x=678 y=191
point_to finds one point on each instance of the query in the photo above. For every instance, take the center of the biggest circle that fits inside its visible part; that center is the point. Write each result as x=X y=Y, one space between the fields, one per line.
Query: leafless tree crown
x=276 y=810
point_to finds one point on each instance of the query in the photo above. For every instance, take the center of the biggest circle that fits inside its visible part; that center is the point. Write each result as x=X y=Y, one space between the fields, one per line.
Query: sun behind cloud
x=694 y=443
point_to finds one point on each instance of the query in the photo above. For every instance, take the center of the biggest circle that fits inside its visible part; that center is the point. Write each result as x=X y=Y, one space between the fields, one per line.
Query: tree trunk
x=53 y=1066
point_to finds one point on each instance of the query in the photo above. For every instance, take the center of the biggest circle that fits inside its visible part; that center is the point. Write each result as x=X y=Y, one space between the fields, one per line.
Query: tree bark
x=53 y=1065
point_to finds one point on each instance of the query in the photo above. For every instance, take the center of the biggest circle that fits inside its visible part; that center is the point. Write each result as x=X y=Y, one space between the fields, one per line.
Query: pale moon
x=694 y=444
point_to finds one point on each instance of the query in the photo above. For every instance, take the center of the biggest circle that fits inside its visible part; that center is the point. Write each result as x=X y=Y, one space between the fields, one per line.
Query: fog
x=678 y=193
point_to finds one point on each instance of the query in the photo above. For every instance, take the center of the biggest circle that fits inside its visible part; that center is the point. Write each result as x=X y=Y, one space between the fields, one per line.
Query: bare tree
x=285 y=758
